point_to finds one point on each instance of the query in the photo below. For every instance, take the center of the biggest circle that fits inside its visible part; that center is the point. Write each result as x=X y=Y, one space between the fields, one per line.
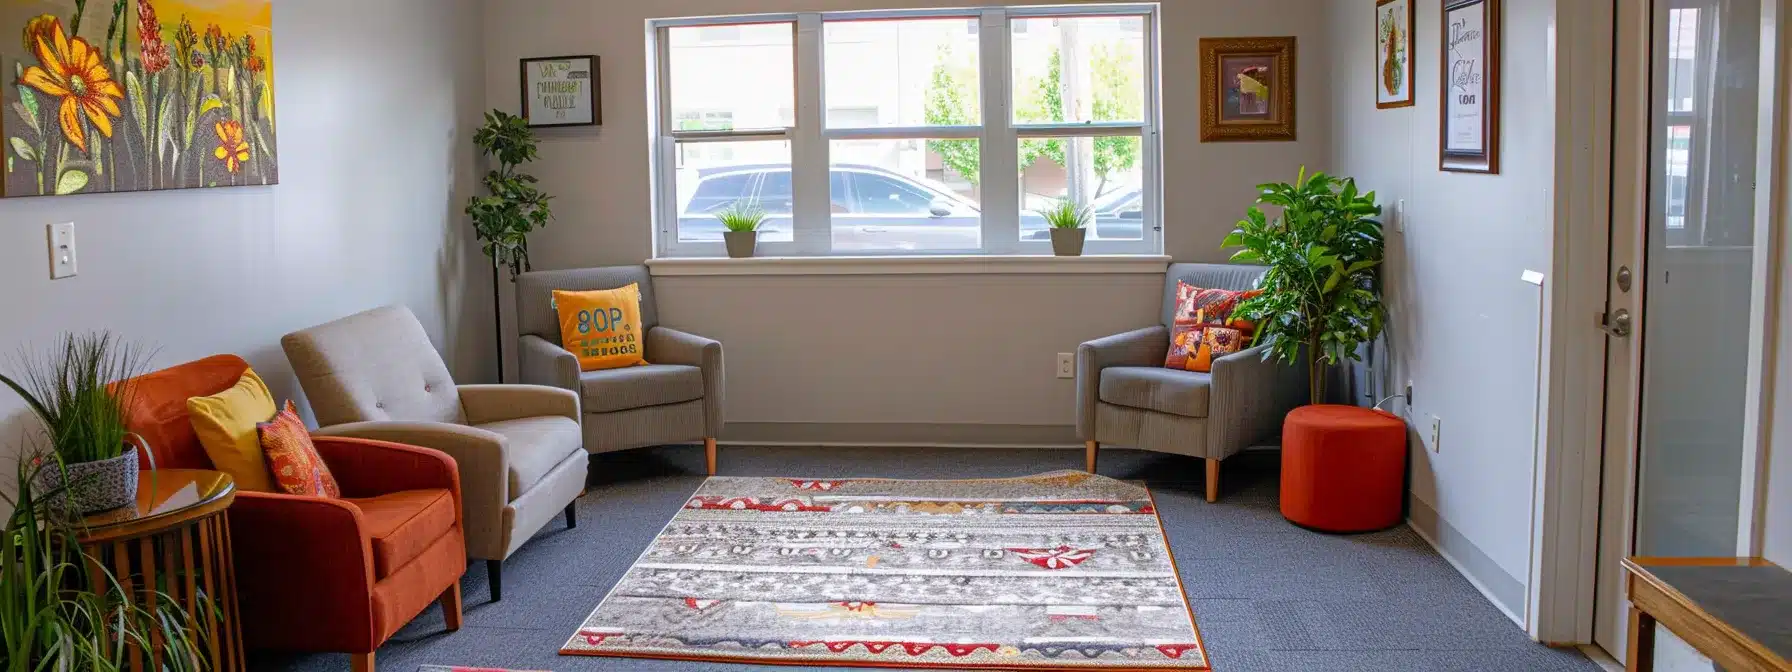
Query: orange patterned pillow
x=296 y=466
x=1204 y=328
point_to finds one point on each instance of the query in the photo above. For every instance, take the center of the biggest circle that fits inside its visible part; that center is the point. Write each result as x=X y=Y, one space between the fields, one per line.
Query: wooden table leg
x=1640 y=655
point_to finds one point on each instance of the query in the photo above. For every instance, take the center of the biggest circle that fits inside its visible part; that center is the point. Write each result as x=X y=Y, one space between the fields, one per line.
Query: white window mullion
x=1000 y=149
x=1151 y=145
x=811 y=217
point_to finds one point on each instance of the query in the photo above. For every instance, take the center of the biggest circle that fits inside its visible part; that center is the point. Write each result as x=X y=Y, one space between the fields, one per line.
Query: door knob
x=1617 y=324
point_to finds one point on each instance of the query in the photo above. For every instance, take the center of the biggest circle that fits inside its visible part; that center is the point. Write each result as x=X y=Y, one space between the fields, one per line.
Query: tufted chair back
x=377 y=365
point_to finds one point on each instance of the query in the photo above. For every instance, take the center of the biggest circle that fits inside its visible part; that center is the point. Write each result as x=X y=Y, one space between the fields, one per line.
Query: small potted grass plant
x=1067 y=222
x=74 y=390
x=740 y=223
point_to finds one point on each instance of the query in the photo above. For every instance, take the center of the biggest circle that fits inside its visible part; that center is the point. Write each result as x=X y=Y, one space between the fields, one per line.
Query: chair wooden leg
x=494 y=574
x=450 y=601
x=709 y=454
x=363 y=662
x=1089 y=450
x=1213 y=479
x=572 y=515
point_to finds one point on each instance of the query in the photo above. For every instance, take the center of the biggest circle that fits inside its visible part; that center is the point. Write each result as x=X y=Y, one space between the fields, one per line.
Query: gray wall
x=891 y=350
x=1464 y=329
x=377 y=103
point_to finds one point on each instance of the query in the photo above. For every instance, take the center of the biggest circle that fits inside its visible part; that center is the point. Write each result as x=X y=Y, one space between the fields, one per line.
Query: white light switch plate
x=62 y=250
x=1400 y=216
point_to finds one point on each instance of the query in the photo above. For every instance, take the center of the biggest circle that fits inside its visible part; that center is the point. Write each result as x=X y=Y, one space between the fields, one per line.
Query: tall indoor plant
x=75 y=390
x=512 y=208
x=1322 y=290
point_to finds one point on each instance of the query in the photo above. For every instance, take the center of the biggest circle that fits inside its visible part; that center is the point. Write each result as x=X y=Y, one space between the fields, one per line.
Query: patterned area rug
x=1064 y=570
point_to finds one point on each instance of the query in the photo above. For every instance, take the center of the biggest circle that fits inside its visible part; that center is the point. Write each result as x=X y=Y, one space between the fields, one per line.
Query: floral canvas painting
x=136 y=95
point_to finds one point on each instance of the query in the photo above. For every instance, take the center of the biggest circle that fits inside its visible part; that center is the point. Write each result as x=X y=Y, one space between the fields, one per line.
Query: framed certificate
x=561 y=91
x=1470 y=127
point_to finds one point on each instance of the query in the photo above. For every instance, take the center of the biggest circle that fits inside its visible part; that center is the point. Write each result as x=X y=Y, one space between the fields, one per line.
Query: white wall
x=913 y=342
x=377 y=103
x=1464 y=328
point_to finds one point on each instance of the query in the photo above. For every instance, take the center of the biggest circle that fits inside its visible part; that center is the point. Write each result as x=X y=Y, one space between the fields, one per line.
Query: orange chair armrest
x=369 y=468
x=304 y=572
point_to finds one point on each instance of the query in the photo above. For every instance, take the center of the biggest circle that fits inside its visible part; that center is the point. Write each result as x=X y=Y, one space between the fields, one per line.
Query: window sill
x=912 y=265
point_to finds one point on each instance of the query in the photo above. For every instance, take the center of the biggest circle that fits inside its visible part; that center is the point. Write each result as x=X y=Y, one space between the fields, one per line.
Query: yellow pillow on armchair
x=226 y=425
x=601 y=327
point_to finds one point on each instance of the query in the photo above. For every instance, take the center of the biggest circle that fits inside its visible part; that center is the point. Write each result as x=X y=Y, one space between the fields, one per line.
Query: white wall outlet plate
x=1400 y=216
x=1437 y=428
x=1066 y=365
x=62 y=250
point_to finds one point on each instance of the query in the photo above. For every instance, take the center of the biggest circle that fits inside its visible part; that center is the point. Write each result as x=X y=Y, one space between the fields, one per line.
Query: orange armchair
x=317 y=574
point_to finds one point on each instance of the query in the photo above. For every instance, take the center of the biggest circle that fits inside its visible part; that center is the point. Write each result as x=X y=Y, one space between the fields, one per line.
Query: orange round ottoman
x=1343 y=468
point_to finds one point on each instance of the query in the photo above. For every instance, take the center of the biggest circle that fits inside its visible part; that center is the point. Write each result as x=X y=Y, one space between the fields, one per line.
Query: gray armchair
x=1124 y=396
x=375 y=375
x=676 y=397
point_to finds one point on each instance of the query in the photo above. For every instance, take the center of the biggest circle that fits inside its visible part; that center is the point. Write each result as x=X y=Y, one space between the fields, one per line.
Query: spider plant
x=70 y=388
x=741 y=217
x=57 y=615
x=1066 y=215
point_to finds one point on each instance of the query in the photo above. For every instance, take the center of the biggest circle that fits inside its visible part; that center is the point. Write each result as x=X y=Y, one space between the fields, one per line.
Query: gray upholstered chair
x=676 y=397
x=375 y=375
x=1125 y=396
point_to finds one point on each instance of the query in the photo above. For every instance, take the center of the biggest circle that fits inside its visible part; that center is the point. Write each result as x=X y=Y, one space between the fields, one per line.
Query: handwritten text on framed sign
x=1470 y=132
x=561 y=91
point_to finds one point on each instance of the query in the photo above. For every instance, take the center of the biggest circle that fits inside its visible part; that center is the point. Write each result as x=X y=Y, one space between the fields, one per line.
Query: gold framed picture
x=1247 y=88
x=1393 y=53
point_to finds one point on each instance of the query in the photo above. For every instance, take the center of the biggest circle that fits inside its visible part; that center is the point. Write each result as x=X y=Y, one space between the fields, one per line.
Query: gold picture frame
x=1247 y=89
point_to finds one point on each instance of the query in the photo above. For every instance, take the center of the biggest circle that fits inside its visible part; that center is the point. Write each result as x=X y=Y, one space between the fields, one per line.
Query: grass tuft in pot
x=70 y=388
x=1067 y=222
x=742 y=217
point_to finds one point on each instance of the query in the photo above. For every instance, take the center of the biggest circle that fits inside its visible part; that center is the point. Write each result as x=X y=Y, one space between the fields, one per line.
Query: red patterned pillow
x=296 y=466
x=1204 y=327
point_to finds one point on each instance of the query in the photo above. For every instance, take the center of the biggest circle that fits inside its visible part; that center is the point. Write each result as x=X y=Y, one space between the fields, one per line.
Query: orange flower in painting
x=70 y=69
x=232 y=149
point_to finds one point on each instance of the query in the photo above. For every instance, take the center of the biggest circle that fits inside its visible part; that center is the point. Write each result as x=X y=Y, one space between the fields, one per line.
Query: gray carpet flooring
x=1267 y=596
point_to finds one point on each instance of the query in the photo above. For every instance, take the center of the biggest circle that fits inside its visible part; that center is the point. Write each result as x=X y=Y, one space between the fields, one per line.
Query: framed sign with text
x=561 y=91
x=1470 y=128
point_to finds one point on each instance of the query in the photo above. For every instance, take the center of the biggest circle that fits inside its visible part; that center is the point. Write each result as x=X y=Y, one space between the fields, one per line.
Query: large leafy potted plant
x=74 y=390
x=62 y=609
x=513 y=208
x=1321 y=295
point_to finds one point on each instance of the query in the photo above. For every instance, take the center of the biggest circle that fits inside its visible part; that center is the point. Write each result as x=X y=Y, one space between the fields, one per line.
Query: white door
x=1687 y=294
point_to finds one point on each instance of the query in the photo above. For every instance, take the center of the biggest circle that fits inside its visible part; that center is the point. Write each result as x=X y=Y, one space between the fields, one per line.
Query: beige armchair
x=375 y=375
x=676 y=397
x=1125 y=396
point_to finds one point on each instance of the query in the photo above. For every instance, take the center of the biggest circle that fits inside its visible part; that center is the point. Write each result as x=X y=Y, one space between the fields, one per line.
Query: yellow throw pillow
x=225 y=423
x=602 y=327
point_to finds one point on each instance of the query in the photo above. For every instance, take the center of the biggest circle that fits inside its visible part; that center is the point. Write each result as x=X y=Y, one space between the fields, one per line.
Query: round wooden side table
x=174 y=545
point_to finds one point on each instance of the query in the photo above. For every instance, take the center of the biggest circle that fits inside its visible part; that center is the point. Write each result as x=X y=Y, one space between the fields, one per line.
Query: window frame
x=999 y=135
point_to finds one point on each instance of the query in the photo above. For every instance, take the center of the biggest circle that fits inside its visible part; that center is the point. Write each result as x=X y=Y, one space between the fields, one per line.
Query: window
x=909 y=132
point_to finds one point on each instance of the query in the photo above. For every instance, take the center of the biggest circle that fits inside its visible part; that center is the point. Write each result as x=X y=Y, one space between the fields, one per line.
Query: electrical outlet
x=1409 y=394
x=1400 y=216
x=1437 y=425
x=1066 y=365
x=62 y=250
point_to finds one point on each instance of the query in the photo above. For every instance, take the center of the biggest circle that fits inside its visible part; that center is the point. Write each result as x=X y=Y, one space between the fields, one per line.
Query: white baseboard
x=1466 y=574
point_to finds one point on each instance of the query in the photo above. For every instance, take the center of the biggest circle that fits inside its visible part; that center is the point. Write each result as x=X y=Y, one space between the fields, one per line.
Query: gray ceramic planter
x=1068 y=242
x=741 y=243
x=95 y=486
